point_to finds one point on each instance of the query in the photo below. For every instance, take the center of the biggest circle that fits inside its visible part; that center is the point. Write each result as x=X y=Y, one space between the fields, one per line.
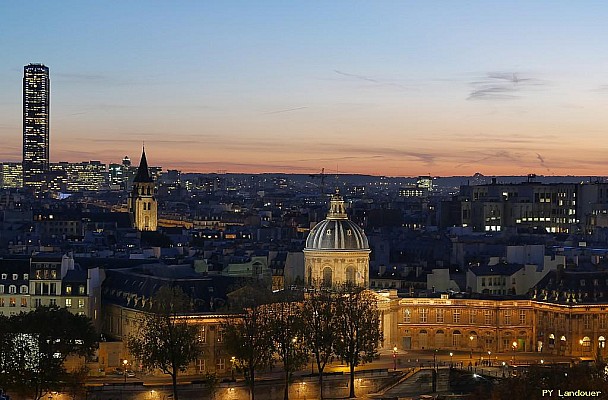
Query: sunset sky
x=396 y=88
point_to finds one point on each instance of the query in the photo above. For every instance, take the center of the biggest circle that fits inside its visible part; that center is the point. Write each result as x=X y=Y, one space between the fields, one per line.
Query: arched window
x=439 y=339
x=456 y=338
x=586 y=343
x=327 y=277
x=350 y=275
x=601 y=342
x=423 y=338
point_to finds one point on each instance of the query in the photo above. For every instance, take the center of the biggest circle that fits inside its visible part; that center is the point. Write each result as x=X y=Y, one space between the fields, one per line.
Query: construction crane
x=321 y=176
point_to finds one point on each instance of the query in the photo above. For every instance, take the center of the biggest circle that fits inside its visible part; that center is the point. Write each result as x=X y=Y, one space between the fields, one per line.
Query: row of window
x=423 y=314
x=12 y=302
x=15 y=277
x=559 y=321
x=52 y=288
x=12 y=289
x=220 y=365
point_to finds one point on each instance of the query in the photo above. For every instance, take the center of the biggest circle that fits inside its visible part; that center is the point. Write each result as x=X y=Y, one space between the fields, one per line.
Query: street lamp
x=581 y=343
x=124 y=370
x=451 y=359
x=395 y=358
x=232 y=359
x=471 y=339
x=489 y=358
x=514 y=344
x=435 y=359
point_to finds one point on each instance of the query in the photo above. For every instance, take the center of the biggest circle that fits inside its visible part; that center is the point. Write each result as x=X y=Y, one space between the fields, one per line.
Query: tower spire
x=143 y=174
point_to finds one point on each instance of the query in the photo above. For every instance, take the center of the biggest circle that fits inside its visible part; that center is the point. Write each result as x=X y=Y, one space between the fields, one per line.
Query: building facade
x=555 y=208
x=36 y=109
x=480 y=326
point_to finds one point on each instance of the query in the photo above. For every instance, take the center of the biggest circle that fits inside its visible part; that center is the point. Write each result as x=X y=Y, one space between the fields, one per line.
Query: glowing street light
x=451 y=359
x=232 y=359
x=471 y=339
x=124 y=370
x=514 y=345
x=395 y=358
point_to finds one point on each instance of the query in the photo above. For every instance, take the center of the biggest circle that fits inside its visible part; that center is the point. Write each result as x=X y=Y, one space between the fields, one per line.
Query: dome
x=336 y=232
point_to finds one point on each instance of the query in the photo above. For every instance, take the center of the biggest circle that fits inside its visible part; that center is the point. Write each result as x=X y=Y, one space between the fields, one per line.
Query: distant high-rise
x=36 y=107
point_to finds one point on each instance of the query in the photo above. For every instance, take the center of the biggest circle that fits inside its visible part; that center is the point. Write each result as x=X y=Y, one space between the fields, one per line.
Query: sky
x=395 y=88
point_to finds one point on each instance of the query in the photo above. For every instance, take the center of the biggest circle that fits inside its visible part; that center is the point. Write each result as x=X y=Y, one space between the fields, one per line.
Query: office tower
x=36 y=103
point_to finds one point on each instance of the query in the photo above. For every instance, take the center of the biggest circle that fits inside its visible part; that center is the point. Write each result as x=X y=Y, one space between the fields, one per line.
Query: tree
x=6 y=347
x=41 y=341
x=164 y=339
x=319 y=327
x=286 y=328
x=246 y=333
x=358 y=328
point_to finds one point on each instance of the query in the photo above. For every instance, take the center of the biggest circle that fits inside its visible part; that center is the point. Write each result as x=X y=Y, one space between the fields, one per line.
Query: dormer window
x=26 y=277
x=81 y=289
x=328 y=232
x=4 y=276
x=15 y=277
x=23 y=289
x=12 y=289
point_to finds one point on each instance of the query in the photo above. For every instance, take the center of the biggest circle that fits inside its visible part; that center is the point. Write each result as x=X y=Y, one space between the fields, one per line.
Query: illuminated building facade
x=36 y=108
x=501 y=326
x=82 y=176
x=337 y=250
x=142 y=200
x=26 y=284
x=12 y=175
x=555 y=208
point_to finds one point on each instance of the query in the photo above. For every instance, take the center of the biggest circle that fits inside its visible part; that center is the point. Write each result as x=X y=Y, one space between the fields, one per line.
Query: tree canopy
x=35 y=345
x=164 y=339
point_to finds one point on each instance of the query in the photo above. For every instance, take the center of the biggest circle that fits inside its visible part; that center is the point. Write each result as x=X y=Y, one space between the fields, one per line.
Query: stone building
x=143 y=207
x=337 y=250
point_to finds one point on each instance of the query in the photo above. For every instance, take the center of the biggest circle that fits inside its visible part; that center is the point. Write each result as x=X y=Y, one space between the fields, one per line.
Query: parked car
x=130 y=374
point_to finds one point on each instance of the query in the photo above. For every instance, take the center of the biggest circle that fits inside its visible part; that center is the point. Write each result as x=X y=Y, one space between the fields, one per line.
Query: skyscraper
x=36 y=107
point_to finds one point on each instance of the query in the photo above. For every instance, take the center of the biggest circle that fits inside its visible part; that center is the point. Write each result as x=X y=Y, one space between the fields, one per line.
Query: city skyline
x=383 y=88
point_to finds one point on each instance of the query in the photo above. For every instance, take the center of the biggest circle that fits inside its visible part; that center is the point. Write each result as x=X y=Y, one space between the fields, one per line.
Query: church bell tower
x=142 y=202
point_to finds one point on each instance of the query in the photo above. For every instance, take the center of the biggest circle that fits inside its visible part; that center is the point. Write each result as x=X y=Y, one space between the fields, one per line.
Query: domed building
x=337 y=250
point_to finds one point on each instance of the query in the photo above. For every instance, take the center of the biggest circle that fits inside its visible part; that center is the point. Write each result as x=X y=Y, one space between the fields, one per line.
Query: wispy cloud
x=285 y=110
x=502 y=86
x=502 y=154
x=601 y=89
x=374 y=80
x=541 y=159
x=79 y=77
